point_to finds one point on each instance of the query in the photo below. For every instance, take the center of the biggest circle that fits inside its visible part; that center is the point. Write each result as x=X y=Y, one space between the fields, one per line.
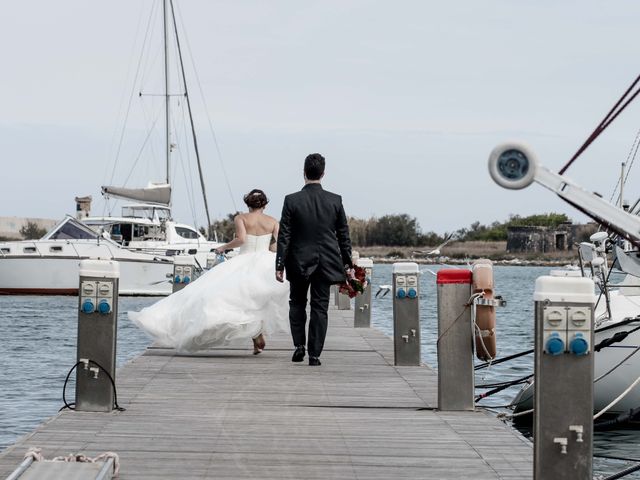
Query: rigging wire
x=206 y=109
x=182 y=164
x=631 y=158
x=193 y=130
x=186 y=170
x=146 y=140
x=627 y=97
x=130 y=64
x=124 y=124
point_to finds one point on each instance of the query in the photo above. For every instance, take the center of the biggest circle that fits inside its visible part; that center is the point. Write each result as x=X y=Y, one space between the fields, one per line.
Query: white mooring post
x=563 y=417
x=184 y=271
x=97 y=334
x=455 y=340
x=362 y=303
x=406 y=314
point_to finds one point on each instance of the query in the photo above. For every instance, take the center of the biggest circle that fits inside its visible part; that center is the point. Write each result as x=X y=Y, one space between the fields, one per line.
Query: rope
x=618 y=364
x=617 y=109
x=36 y=455
x=617 y=399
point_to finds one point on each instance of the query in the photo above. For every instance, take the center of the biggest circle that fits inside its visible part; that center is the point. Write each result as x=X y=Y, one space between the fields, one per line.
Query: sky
x=404 y=99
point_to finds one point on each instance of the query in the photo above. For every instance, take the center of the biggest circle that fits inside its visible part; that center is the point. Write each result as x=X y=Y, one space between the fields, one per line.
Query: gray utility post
x=406 y=314
x=184 y=271
x=362 y=303
x=97 y=334
x=563 y=425
x=455 y=340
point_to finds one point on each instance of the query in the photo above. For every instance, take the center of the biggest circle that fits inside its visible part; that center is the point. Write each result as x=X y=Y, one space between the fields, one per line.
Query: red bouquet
x=356 y=282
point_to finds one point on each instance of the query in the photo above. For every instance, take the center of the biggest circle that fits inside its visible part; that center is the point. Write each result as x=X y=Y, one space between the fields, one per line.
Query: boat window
x=29 y=249
x=69 y=230
x=186 y=233
x=5 y=250
x=137 y=212
x=55 y=248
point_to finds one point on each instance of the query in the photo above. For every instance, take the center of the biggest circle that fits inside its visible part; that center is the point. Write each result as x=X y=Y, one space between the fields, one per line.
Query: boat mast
x=193 y=130
x=166 y=85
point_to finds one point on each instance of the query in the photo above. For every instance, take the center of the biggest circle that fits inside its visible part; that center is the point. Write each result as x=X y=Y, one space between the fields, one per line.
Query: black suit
x=313 y=248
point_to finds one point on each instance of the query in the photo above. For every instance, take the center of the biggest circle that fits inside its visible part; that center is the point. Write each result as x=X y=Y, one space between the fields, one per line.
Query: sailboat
x=144 y=238
x=617 y=312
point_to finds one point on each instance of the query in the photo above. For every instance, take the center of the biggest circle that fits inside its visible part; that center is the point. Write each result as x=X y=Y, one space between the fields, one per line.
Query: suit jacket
x=314 y=235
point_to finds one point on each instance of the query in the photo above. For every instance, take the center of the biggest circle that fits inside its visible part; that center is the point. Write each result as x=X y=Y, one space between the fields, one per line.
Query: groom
x=314 y=248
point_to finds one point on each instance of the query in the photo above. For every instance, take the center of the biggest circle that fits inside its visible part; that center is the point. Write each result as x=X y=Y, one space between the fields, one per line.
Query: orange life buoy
x=482 y=273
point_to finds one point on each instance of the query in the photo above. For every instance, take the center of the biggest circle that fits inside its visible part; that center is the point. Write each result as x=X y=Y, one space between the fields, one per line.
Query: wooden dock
x=231 y=415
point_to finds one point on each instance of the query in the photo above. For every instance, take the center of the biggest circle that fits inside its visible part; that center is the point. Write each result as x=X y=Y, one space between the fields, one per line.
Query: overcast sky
x=405 y=99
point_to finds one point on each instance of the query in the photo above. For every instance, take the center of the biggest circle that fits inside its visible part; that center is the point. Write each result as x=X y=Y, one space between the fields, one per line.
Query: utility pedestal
x=455 y=341
x=97 y=334
x=184 y=271
x=563 y=418
x=406 y=314
x=362 y=303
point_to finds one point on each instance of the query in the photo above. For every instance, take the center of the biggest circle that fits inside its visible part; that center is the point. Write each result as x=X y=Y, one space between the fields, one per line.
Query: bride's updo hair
x=256 y=198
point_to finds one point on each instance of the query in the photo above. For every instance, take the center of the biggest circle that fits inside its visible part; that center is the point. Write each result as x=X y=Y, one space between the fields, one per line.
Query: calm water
x=38 y=341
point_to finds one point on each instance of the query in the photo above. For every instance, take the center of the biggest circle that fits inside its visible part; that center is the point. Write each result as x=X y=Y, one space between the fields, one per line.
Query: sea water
x=38 y=347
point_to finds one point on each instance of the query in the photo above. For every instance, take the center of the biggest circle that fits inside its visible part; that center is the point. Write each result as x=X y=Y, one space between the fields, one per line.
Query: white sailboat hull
x=616 y=382
x=51 y=268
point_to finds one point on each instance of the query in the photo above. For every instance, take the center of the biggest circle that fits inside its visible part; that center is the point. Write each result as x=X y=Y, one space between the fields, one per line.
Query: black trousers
x=320 y=290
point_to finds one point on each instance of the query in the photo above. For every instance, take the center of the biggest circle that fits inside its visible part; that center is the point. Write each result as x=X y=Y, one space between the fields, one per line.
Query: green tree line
x=403 y=230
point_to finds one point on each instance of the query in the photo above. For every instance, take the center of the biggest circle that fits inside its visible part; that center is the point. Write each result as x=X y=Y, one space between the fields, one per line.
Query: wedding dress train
x=232 y=303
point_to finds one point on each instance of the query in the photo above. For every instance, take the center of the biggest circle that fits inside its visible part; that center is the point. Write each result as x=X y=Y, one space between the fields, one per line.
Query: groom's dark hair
x=314 y=166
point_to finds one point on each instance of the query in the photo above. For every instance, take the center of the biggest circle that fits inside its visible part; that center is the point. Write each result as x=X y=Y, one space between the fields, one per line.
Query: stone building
x=536 y=239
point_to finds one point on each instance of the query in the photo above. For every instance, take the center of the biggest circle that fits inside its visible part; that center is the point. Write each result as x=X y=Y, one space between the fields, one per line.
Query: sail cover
x=158 y=193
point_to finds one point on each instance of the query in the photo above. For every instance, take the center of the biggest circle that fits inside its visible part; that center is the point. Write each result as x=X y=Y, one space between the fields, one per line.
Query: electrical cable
x=71 y=406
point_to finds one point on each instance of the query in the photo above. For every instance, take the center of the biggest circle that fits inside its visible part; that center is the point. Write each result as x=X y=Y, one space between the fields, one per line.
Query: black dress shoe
x=298 y=354
x=314 y=361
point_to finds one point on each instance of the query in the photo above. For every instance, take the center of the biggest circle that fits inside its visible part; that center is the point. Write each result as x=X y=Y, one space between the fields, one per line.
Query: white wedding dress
x=232 y=303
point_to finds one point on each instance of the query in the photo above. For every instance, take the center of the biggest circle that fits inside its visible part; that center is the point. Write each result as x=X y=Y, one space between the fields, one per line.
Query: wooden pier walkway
x=231 y=415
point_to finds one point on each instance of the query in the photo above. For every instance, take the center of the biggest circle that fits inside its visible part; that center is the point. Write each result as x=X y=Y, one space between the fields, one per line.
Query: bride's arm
x=241 y=235
x=274 y=244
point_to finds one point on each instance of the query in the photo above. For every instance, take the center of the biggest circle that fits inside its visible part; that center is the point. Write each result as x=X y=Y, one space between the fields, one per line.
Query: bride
x=234 y=301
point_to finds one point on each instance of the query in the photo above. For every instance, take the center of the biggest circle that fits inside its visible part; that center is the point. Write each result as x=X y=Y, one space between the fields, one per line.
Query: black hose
x=623 y=473
x=113 y=385
x=508 y=382
x=617 y=421
x=616 y=338
x=71 y=406
x=501 y=360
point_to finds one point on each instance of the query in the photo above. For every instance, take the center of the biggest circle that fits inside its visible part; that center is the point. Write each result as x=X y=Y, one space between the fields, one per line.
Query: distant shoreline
x=461 y=253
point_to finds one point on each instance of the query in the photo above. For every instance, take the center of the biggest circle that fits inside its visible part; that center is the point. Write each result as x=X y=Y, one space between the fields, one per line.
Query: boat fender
x=485 y=318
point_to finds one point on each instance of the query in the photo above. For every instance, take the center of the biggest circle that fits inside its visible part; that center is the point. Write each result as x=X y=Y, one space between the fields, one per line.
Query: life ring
x=485 y=333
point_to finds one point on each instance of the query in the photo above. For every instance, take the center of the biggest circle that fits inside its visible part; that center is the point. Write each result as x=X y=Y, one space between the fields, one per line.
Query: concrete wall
x=544 y=239
x=10 y=226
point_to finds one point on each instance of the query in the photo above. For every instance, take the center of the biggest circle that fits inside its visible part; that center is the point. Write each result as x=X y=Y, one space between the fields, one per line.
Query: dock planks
x=228 y=414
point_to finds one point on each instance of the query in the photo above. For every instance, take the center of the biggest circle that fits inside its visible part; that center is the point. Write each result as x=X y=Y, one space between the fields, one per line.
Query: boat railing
x=166 y=252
